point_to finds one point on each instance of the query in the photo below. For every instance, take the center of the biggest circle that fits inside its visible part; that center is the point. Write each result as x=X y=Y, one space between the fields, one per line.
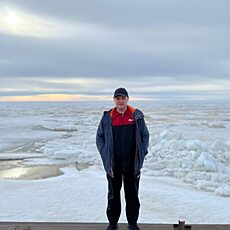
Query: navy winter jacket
x=105 y=145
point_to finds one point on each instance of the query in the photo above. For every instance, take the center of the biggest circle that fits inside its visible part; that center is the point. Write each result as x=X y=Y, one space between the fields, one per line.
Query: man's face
x=121 y=102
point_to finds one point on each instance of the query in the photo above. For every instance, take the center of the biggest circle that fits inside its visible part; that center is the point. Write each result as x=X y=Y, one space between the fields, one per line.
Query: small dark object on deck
x=181 y=226
x=24 y=228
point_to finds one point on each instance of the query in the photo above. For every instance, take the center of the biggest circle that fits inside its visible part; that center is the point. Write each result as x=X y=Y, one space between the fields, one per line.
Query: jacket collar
x=129 y=110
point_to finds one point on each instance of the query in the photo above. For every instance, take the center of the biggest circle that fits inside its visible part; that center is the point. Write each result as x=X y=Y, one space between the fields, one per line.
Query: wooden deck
x=101 y=226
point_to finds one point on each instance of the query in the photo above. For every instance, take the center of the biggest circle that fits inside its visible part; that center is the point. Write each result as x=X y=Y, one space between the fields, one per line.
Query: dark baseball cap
x=121 y=92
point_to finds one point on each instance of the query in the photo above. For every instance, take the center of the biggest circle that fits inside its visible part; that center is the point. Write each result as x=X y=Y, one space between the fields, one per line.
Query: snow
x=186 y=174
x=80 y=196
x=8 y=156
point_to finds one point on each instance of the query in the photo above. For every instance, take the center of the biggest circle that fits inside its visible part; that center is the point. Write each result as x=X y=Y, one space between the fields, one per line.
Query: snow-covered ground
x=186 y=174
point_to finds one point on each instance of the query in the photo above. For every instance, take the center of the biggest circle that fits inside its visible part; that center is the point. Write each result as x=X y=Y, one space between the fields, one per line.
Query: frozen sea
x=186 y=174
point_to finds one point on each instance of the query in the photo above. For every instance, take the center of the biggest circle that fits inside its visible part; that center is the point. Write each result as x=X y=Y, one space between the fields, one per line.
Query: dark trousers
x=131 y=186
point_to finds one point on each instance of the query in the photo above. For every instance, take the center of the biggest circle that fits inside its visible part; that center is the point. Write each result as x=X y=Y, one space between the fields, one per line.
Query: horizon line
x=80 y=97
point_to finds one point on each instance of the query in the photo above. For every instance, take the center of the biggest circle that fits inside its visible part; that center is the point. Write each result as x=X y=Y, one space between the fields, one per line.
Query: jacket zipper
x=111 y=162
x=122 y=156
x=135 y=164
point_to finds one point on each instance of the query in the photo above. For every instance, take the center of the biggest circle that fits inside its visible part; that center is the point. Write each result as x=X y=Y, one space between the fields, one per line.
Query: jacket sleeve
x=100 y=139
x=144 y=136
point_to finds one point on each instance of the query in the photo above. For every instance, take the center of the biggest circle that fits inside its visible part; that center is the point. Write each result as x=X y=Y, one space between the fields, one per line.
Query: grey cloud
x=185 y=41
x=108 y=58
x=133 y=13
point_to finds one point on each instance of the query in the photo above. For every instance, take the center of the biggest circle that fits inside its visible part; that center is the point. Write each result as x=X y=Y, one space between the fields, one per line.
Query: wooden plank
x=210 y=227
x=98 y=226
x=74 y=226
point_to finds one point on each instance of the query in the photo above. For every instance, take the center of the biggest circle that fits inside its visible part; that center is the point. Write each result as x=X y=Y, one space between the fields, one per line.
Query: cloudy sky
x=81 y=49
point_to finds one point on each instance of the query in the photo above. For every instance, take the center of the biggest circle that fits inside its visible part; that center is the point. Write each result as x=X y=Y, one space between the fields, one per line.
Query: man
x=122 y=140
